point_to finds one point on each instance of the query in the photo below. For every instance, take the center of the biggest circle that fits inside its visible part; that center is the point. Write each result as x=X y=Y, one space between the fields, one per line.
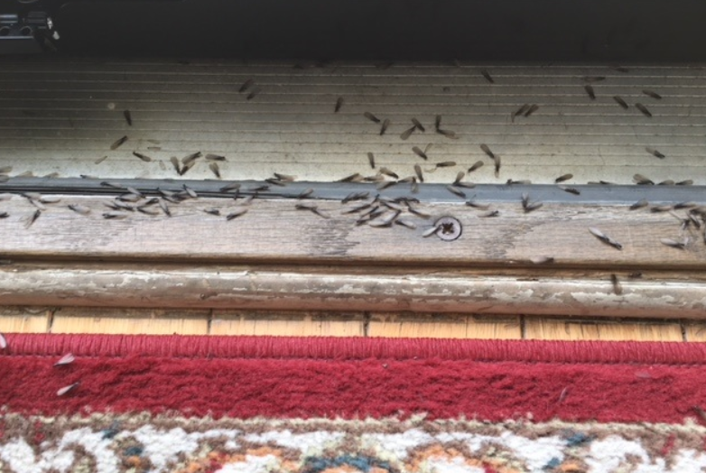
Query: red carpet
x=241 y=379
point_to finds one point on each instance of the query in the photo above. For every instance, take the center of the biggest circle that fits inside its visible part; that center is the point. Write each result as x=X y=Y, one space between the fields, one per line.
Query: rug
x=187 y=404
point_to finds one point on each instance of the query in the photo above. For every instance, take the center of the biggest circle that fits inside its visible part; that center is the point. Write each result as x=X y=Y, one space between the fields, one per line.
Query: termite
x=236 y=214
x=81 y=209
x=165 y=208
x=591 y=79
x=445 y=164
x=371 y=117
x=352 y=178
x=371 y=160
x=417 y=212
x=520 y=111
x=456 y=192
x=639 y=204
x=652 y=94
x=476 y=205
x=37 y=213
x=253 y=93
x=233 y=186
x=384 y=126
x=655 y=153
x=589 y=90
x=667 y=182
x=643 y=109
x=305 y=193
x=459 y=177
x=431 y=231
x=529 y=206
x=406 y=223
x=418 y=125
x=175 y=163
x=190 y=158
x=475 y=166
x=215 y=169
x=67 y=389
x=357 y=208
x=213 y=211
x=119 y=142
x=605 y=238
x=215 y=157
x=274 y=181
x=563 y=178
x=146 y=210
x=128 y=117
x=641 y=180
x=617 y=287
x=420 y=153
x=192 y=193
x=311 y=208
x=407 y=133
x=490 y=214
x=65 y=360
x=246 y=85
x=487 y=76
x=533 y=108
x=100 y=160
x=679 y=245
x=387 y=172
x=114 y=216
x=570 y=190
x=143 y=157
x=418 y=172
x=339 y=104
x=620 y=101
x=687 y=182
x=385 y=184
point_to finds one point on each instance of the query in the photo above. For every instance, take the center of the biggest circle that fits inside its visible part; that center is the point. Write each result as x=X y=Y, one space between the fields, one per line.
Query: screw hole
x=26 y=31
x=5 y=31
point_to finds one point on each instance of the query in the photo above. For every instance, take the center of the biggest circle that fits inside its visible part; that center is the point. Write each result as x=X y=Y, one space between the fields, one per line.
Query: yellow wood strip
x=443 y=326
x=274 y=231
x=130 y=321
x=552 y=329
x=24 y=319
x=695 y=332
x=300 y=324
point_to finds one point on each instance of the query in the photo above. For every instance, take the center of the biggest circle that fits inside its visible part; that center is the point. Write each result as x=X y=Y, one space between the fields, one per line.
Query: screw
x=449 y=228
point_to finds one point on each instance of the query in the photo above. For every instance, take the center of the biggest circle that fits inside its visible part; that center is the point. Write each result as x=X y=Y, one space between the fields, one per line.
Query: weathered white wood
x=274 y=231
x=347 y=289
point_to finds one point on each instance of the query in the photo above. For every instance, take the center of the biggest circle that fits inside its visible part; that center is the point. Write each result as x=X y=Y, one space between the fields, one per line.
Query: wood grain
x=130 y=321
x=551 y=329
x=14 y=319
x=445 y=326
x=274 y=231
x=283 y=323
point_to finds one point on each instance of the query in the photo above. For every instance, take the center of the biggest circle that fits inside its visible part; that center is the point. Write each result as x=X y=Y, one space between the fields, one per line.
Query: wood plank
x=130 y=321
x=695 y=331
x=444 y=326
x=287 y=323
x=14 y=319
x=47 y=124
x=552 y=329
x=274 y=231
x=343 y=288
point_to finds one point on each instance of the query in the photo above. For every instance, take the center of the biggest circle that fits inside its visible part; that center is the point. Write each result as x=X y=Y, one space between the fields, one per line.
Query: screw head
x=449 y=228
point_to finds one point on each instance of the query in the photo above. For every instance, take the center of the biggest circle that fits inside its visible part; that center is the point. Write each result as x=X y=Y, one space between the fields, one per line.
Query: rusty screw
x=449 y=228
